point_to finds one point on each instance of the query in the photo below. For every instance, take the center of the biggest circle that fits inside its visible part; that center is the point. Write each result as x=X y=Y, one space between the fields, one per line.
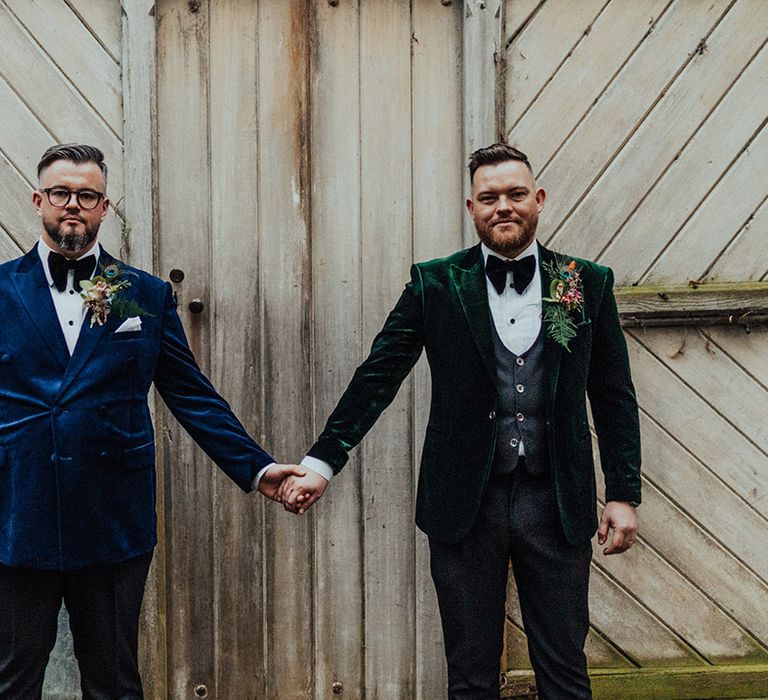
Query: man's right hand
x=299 y=493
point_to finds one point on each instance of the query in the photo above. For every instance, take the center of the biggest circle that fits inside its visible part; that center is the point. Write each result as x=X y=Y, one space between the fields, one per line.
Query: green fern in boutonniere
x=565 y=301
x=103 y=294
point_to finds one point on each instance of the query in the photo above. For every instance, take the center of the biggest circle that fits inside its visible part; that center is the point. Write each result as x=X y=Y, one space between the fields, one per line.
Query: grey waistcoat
x=520 y=383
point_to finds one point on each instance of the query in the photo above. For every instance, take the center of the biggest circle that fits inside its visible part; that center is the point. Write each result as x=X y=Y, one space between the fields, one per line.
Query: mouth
x=72 y=220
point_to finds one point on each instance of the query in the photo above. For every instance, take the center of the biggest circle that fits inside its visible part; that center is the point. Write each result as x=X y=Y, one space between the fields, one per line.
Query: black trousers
x=103 y=602
x=518 y=522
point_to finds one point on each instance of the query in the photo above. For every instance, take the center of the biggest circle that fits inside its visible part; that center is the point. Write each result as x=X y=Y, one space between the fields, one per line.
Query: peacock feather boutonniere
x=565 y=302
x=103 y=294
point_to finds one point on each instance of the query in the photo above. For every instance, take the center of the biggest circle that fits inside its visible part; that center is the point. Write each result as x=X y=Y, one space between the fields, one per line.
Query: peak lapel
x=552 y=350
x=471 y=287
x=35 y=296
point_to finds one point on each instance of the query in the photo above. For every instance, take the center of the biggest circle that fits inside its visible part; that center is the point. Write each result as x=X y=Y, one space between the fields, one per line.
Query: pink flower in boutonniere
x=565 y=301
x=102 y=294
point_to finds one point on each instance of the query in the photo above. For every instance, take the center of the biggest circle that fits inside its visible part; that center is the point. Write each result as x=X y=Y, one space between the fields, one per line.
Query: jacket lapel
x=89 y=336
x=552 y=350
x=469 y=282
x=35 y=296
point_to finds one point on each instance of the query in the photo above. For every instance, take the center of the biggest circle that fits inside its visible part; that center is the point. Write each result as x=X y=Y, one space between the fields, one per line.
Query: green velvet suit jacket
x=444 y=309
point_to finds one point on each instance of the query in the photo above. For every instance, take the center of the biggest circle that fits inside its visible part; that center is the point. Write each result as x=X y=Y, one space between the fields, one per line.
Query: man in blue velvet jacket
x=77 y=451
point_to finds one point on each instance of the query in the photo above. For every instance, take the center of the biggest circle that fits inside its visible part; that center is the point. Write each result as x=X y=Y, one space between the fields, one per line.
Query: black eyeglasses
x=60 y=196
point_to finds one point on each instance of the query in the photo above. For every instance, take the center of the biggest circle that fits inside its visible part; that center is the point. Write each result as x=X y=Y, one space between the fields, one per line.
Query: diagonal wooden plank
x=664 y=131
x=715 y=377
x=680 y=605
x=694 y=173
x=615 y=35
x=746 y=257
x=739 y=463
x=60 y=34
x=9 y=249
x=103 y=20
x=702 y=560
x=714 y=224
x=634 y=630
x=60 y=109
x=697 y=491
x=623 y=106
x=748 y=349
x=532 y=58
x=17 y=215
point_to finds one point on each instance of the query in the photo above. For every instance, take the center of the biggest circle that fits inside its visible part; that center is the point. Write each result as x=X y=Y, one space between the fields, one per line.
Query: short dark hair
x=74 y=152
x=493 y=154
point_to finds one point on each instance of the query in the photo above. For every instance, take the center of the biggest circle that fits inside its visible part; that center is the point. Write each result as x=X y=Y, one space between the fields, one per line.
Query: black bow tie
x=522 y=272
x=59 y=266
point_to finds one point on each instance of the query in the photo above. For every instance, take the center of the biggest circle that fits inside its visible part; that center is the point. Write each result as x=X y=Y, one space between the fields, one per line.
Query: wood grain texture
x=439 y=186
x=618 y=113
x=236 y=346
x=93 y=72
x=184 y=214
x=337 y=340
x=284 y=272
x=103 y=20
x=387 y=452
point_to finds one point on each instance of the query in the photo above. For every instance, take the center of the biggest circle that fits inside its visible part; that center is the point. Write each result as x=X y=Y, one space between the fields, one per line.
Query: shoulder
x=464 y=258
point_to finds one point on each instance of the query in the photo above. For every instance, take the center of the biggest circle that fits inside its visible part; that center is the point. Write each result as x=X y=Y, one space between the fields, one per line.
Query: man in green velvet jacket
x=516 y=337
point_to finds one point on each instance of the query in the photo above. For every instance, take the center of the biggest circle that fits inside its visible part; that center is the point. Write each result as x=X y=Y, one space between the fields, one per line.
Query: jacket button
x=103 y=454
x=57 y=411
x=5 y=358
x=54 y=457
x=492 y=415
x=520 y=417
x=514 y=442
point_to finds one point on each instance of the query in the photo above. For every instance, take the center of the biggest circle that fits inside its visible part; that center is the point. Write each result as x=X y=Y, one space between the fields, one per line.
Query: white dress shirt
x=69 y=305
x=517 y=318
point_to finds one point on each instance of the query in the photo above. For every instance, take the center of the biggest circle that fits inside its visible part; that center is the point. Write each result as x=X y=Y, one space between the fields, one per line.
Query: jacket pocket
x=140 y=457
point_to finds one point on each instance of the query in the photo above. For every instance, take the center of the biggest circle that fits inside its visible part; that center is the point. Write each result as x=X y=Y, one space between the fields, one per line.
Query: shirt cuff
x=257 y=478
x=317 y=465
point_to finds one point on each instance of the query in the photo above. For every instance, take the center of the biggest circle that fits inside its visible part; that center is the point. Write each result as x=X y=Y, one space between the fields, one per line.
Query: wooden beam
x=139 y=108
x=726 y=681
x=482 y=51
x=744 y=304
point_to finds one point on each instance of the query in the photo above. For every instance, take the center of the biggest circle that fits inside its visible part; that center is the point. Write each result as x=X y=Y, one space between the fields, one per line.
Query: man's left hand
x=621 y=518
x=270 y=481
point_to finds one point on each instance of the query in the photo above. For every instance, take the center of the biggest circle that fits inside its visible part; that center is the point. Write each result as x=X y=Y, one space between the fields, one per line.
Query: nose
x=72 y=202
x=504 y=203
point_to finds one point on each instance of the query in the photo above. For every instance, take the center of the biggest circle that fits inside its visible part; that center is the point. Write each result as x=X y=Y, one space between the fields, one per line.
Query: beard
x=70 y=240
x=510 y=242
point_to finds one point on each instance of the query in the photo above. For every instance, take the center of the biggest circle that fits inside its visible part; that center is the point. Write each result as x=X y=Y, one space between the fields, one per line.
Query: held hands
x=298 y=493
x=620 y=517
x=273 y=478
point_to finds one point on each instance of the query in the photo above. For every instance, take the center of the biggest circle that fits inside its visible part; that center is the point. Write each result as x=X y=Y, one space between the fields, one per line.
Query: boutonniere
x=565 y=301
x=102 y=294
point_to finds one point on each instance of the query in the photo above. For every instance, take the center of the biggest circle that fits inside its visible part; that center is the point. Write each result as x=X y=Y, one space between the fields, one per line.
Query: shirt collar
x=43 y=250
x=532 y=249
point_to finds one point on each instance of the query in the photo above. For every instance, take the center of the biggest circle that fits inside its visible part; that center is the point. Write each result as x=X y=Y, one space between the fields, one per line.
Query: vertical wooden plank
x=483 y=101
x=385 y=42
x=285 y=276
x=439 y=182
x=337 y=285
x=184 y=243
x=236 y=344
x=138 y=88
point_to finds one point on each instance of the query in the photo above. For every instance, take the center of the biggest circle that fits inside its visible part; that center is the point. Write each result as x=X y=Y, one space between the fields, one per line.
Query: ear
x=471 y=208
x=37 y=201
x=104 y=208
x=541 y=195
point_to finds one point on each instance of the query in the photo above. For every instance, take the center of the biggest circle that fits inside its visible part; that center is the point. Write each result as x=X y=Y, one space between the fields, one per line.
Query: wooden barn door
x=645 y=122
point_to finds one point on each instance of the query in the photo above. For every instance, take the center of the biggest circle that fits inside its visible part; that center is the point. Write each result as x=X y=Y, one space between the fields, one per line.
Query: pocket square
x=130 y=324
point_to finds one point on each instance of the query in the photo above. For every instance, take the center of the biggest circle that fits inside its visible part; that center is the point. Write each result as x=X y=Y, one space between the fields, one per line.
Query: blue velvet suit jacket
x=77 y=450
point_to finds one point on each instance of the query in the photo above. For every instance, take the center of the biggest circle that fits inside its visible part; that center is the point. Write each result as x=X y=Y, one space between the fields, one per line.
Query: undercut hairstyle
x=493 y=154
x=74 y=152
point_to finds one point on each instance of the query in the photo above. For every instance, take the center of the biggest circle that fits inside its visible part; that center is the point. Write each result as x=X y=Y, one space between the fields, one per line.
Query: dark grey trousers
x=103 y=603
x=518 y=522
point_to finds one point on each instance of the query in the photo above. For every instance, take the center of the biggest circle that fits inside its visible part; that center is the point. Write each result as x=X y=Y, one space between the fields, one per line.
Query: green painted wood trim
x=690 y=683
x=742 y=303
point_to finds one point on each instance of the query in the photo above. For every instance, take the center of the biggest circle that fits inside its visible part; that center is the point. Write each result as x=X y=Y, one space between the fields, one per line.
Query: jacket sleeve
x=376 y=381
x=614 y=405
x=194 y=402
